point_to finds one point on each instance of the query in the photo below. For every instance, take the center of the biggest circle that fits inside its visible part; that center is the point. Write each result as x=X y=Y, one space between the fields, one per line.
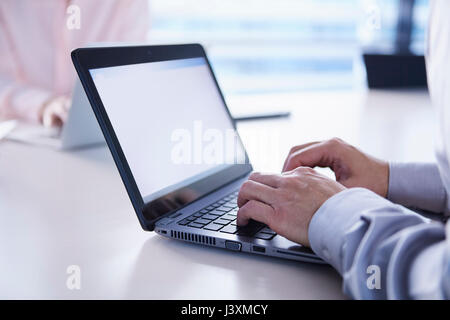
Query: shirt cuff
x=417 y=185
x=335 y=218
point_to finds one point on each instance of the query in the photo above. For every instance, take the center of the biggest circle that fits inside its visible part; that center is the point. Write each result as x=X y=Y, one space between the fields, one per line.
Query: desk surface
x=70 y=208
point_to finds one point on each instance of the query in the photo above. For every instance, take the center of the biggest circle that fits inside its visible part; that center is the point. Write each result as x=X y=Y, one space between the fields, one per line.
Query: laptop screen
x=170 y=121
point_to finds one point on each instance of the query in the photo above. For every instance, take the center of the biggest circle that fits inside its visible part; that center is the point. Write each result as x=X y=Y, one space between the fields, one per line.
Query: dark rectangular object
x=395 y=70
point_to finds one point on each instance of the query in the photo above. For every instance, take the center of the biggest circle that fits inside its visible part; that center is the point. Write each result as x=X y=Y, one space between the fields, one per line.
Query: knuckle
x=300 y=169
x=245 y=186
x=293 y=149
x=304 y=170
x=308 y=170
x=251 y=205
x=335 y=141
x=243 y=211
x=254 y=175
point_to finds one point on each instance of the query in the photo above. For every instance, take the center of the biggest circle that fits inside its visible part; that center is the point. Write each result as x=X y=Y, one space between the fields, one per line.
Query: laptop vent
x=192 y=237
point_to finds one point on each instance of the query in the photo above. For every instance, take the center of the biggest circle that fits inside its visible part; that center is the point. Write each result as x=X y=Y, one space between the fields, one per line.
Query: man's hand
x=54 y=112
x=352 y=167
x=285 y=202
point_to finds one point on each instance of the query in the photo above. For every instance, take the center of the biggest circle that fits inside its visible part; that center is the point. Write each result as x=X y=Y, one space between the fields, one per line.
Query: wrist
x=384 y=178
x=377 y=175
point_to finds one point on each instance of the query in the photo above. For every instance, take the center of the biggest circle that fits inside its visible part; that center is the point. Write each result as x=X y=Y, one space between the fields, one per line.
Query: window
x=260 y=46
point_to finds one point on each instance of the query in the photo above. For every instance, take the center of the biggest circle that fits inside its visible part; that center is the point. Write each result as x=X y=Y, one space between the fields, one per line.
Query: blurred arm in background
x=36 y=73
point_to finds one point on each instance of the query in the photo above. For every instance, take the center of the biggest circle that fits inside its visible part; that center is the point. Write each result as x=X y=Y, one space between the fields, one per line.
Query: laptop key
x=222 y=221
x=224 y=209
x=250 y=229
x=191 y=218
x=213 y=226
x=268 y=230
x=209 y=208
x=229 y=229
x=228 y=217
x=210 y=217
x=202 y=221
x=204 y=211
x=217 y=213
x=198 y=215
x=195 y=225
x=183 y=222
x=264 y=236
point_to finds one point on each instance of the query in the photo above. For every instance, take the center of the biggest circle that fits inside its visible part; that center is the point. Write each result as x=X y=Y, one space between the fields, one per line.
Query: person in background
x=36 y=37
x=361 y=223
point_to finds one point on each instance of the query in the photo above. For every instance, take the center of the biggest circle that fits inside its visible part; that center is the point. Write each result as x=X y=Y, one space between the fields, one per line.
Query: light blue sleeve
x=367 y=238
x=417 y=185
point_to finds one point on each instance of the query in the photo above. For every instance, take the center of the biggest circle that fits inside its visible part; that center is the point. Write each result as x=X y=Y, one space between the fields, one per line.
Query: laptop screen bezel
x=85 y=59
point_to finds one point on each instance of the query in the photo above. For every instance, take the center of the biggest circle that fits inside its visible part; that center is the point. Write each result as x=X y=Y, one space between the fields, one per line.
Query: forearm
x=21 y=101
x=357 y=231
x=417 y=185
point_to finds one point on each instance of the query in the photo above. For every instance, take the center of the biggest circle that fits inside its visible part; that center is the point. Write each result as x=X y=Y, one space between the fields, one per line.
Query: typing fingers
x=317 y=155
x=297 y=148
x=252 y=190
x=255 y=210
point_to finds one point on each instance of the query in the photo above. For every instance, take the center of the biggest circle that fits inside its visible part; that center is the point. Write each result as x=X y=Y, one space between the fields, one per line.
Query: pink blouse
x=36 y=38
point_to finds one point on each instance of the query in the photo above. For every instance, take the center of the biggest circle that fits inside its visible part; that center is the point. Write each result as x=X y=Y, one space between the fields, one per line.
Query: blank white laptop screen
x=170 y=121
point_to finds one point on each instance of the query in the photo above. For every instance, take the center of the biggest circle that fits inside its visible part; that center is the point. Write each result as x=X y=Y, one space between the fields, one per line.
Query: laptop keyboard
x=221 y=217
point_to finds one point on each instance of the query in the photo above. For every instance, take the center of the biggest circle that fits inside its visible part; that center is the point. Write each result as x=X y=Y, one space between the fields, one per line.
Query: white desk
x=59 y=209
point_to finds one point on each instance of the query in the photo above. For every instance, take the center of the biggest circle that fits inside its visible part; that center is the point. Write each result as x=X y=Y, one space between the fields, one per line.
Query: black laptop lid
x=165 y=122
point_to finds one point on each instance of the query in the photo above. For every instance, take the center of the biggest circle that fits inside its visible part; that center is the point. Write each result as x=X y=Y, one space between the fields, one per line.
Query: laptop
x=80 y=130
x=175 y=145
